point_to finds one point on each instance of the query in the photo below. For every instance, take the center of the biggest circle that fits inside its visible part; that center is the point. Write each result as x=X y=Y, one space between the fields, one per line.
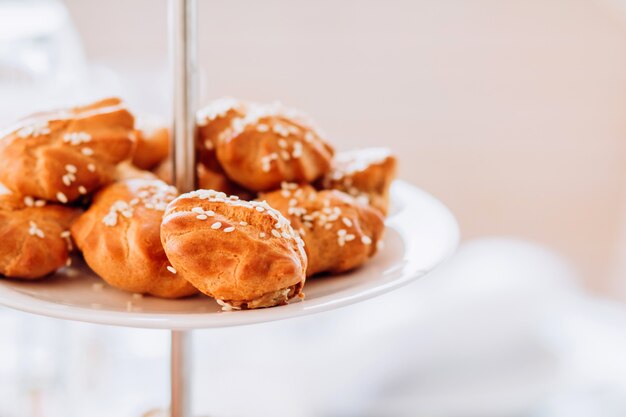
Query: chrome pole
x=180 y=374
x=183 y=58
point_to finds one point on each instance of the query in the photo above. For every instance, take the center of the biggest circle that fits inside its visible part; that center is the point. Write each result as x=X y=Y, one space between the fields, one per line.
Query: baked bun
x=340 y=233
x=59 y=156
x=365 y=174
x=208 y=179
x=34 y=236
x=244 y=254
x=261 y=146
x=119 y=238
x=153 y=143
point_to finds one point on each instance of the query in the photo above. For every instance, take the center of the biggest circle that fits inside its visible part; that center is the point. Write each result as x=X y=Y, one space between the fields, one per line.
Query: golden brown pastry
x=207 y=180
x=261 y=146
x=153 y=143
x=340 y=233
x=59 y=156
x=244 y=254
x=34 y=236
x=365 y=174
x=119 y=238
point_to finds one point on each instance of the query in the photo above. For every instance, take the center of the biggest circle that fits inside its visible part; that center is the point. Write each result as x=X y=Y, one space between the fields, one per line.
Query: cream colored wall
x=512 y=112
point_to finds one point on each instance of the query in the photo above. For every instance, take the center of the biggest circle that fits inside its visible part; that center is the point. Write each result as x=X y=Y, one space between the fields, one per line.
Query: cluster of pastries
x=276 y=204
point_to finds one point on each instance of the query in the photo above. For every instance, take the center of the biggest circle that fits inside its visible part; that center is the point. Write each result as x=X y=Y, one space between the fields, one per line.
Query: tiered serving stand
x=421 y=233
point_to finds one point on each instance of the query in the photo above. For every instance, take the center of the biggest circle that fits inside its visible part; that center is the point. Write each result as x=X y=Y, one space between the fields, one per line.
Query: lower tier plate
x=421 y=233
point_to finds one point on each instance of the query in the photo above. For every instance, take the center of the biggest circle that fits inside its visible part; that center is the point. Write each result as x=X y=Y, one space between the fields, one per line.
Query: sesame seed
x=282 y=143
x=82 y=190
x=197 y=210
x=366 y=240
x=349 y=237
x=346 y=221
x=275 y=233
x=202 y=217
x=40 y=203
x=171 y=269
x=61 y=197
x=91 y=168
x=260 y=209
x=29 y=201
x=229 y=229
x=216 y=225
x=261 y=234
x=71 y=168
x=243 y=223
x=65 y=234
x=87 y=151
x=210 y=213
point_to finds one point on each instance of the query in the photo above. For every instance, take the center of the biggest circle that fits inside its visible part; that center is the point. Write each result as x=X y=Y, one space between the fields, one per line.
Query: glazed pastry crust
x=34 y=236
x=261 y=146
x=120 y=238
x=365 y=174
x=244 y=254
x=153 y=143
x=59 y=156
x=208 y=179
x=340 y=233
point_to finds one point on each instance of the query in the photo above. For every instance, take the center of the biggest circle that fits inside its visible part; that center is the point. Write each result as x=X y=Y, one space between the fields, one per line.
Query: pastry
x=208 y=179
x=261 y=146
x=244 y=254
x=119 y=238
x=59 y=156
x=340 y=233
x=34 y=236
x=153 y=143
x=365 y=174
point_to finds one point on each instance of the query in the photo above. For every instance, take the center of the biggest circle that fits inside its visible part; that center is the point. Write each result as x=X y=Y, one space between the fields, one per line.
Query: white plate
x=421 y=233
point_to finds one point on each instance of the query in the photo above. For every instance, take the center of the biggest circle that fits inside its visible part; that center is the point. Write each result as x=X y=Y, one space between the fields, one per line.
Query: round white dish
x=421 y=233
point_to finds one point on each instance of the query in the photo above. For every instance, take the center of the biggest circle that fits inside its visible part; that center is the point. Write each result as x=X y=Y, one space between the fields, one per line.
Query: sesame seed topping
x=61 y=197
x=171 y=269
x=87 y=151
x=71 y=168
x=197 y=210
x=276 y=233
x=91 y=168
x=366 y=240
x=82 y=190
x=262 y=234
x=243 y=223
x=216 y=225
x=40 y=203
x=202 y=217
x=282 y=143
x=34 y=230
x=229 y=229
x=29 y=201
x=260 y=209
x=346 y=221
x=65 y=234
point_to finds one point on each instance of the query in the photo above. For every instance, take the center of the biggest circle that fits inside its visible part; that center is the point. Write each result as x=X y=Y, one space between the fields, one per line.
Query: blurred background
x=511 y=112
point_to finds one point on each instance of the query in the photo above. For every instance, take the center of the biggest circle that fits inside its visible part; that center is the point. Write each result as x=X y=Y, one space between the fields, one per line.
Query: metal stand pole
x=180 y=374
x=183 y=51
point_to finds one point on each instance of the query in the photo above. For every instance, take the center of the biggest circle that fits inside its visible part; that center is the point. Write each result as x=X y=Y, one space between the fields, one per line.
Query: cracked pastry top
x=61 y=155
x=260 y=146
x=365 y=174
x=119 y=236
x=243 y=254
x=340 y=233
x=34 y=236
